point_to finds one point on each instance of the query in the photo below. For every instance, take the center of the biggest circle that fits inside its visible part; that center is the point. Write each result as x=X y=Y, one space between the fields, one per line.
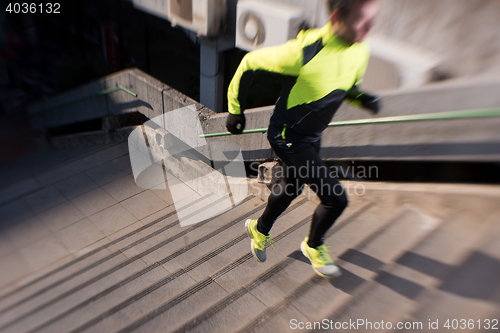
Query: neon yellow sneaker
x=320 y=260
x=259 y=240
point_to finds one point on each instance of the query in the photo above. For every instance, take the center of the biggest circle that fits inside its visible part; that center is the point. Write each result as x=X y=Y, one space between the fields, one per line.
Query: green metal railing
x=81 y=99
x=463 y=114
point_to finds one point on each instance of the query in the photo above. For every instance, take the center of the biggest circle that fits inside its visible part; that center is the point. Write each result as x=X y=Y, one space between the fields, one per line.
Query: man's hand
x=368 y=101
x=235 y=123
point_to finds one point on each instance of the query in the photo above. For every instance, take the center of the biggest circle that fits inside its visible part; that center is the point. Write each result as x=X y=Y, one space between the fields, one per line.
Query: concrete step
x=112 y=303
x=189 y=299
x=93 y=262
x=143 y=301
x=388 y=294
x=459 y=289
x=85 y=262
x=318 y=297
x=29 y=173
x=402 y=286
x=203 y=278
x=77 y=288
x=261 y=283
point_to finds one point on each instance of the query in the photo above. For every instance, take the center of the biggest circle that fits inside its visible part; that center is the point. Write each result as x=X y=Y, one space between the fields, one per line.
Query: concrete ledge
x=153 y=99
x=452 y=140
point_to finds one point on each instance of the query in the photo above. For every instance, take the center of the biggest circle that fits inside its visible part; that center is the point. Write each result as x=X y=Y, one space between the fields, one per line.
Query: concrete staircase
x=409 y=253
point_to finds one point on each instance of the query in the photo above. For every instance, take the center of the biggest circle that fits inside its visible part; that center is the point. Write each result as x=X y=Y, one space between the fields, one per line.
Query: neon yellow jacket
x=317 y=67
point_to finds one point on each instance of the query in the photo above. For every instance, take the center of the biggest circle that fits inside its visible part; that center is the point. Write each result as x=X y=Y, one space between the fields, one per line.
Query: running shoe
x=320 y=260
x=259 y=240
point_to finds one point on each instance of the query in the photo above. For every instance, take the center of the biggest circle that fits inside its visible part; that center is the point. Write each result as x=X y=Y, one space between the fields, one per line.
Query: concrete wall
x=464 y=32
x=154 y=98
x=395 y=64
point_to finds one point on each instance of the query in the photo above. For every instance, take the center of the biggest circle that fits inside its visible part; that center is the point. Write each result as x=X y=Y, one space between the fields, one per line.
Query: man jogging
x=320 y=68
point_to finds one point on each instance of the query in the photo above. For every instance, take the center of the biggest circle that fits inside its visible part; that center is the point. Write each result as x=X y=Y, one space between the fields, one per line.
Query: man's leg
x=280 y=198
x=281 y=195
x=305 y=158
x=331 y=193
x=306 y=166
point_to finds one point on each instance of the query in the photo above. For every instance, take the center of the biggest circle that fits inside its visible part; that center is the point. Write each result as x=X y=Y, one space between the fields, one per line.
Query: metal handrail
x=78 y=100
x=463 y=114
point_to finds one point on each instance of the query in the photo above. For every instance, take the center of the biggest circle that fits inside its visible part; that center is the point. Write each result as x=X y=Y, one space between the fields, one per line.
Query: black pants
x=304 y=166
